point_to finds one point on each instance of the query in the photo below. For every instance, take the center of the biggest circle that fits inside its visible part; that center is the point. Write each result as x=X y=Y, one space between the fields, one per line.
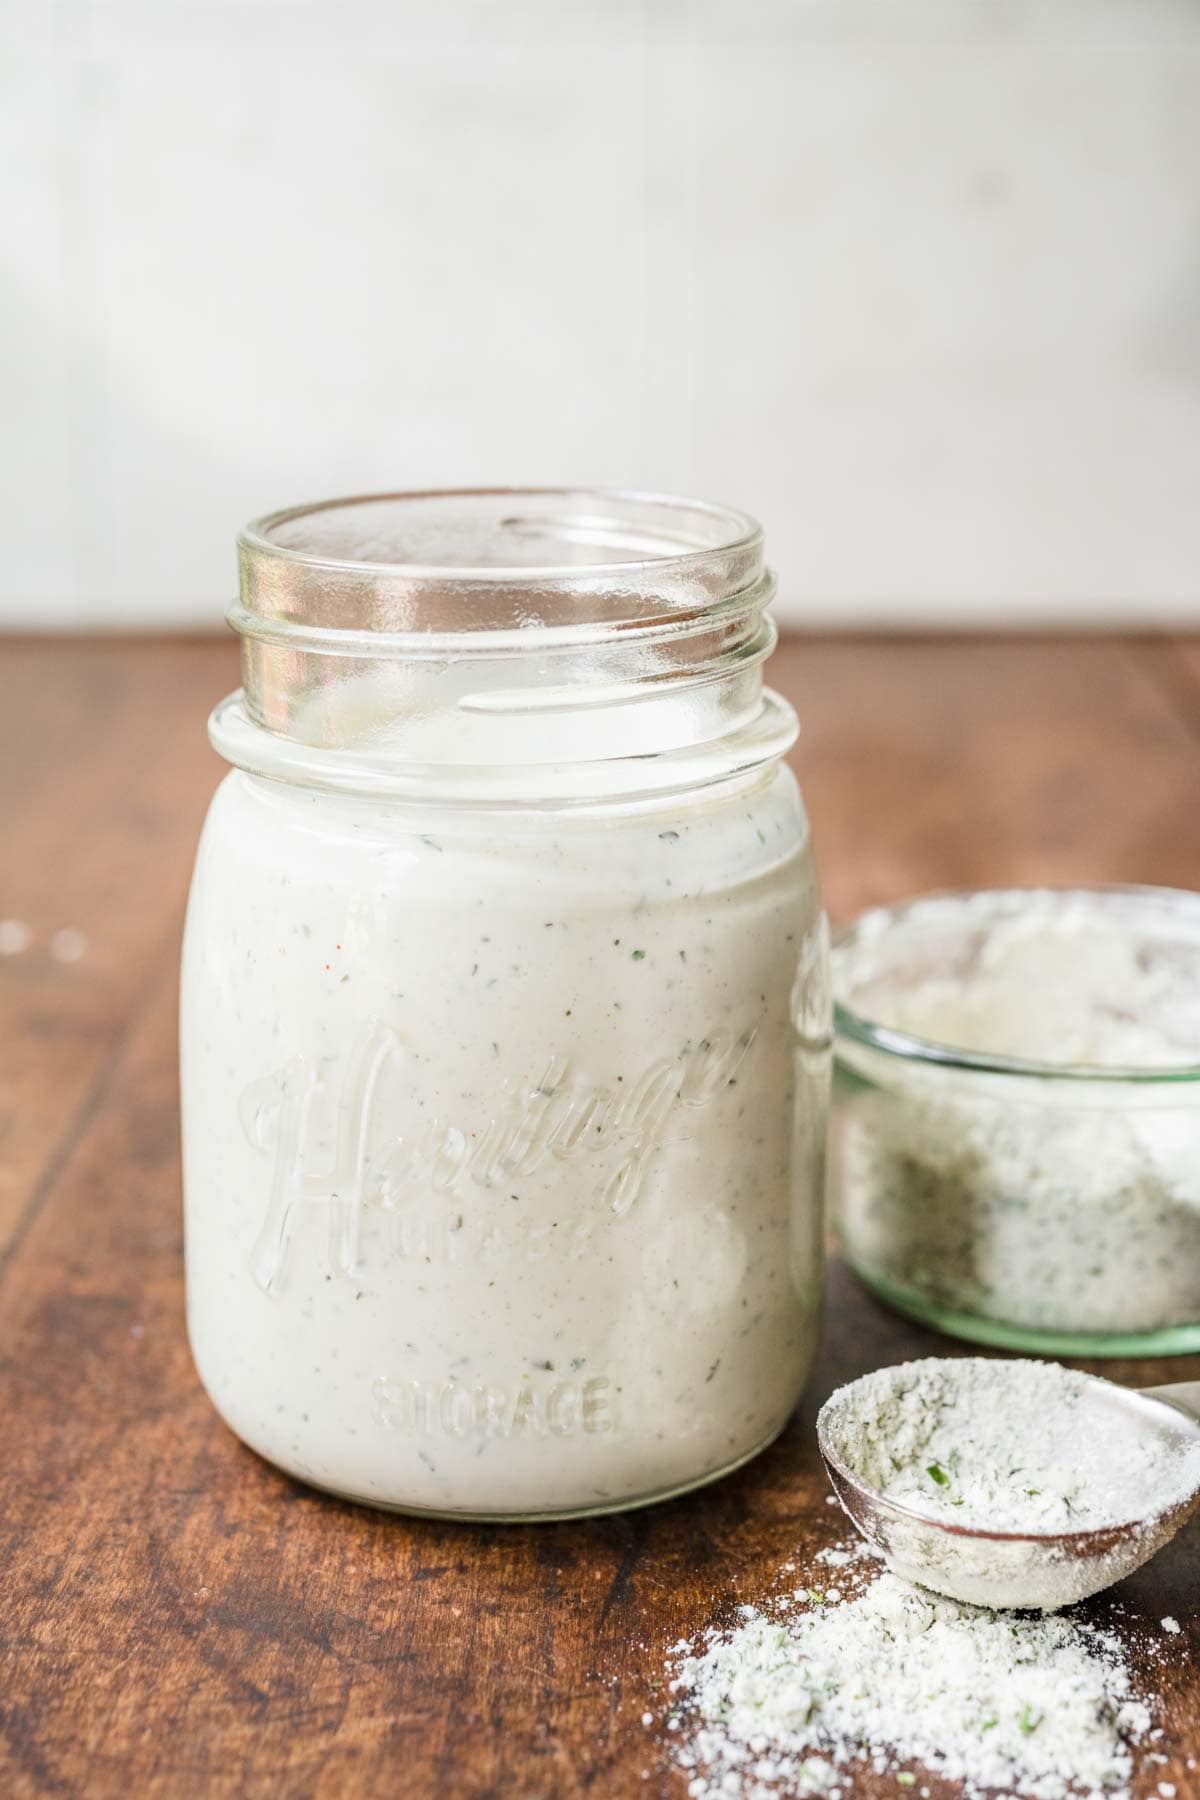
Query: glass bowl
x=1016 y=1147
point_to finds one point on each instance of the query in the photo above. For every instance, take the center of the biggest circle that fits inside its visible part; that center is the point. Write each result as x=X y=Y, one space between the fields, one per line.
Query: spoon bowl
x=1024 y=1570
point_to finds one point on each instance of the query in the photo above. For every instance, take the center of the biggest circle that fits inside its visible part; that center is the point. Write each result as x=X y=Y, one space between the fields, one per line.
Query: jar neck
x=731 y=761
x=547 y=641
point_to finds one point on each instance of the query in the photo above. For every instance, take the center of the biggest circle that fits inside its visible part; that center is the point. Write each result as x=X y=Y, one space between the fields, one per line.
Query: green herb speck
x=938 y=1474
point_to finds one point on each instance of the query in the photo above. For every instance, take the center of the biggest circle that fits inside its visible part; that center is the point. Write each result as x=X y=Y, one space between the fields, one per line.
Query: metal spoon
x=1008 y=1569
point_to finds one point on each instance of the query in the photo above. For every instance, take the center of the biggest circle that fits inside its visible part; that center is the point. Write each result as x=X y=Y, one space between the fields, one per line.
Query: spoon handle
x=1184 y=1396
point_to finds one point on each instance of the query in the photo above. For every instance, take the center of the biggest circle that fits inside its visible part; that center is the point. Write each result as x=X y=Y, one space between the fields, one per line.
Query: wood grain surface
x=176 y=1618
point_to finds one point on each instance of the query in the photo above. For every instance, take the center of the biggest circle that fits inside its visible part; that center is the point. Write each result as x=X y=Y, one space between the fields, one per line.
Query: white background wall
x=917 y=281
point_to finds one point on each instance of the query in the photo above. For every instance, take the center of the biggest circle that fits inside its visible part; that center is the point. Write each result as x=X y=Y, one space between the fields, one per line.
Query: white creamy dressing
x=502 y=1169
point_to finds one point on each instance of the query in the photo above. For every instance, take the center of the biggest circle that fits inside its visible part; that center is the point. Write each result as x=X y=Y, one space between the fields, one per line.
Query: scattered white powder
x=15 y=937
x=67 y=945
x=1054 y=1206
x=1037 y=1707
x=1010 y=1446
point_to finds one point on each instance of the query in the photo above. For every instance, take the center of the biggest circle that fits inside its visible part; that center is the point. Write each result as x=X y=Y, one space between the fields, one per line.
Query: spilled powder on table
x=68 y=945
x=874 y=1674
x=15 y=937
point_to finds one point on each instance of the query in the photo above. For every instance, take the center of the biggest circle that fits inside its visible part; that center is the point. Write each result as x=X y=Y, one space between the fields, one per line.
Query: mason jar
x=505 y=1012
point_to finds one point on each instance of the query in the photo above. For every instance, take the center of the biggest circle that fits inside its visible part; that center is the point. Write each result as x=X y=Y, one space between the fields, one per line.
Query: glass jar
x=505 y=1033
x=1017 y=1116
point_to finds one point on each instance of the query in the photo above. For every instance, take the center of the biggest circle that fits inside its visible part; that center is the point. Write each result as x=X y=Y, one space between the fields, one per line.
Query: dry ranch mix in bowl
x=1017 y=1139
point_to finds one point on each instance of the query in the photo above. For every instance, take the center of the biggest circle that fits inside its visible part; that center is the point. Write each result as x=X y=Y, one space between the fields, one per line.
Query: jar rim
x=261 y=535
x=858 y=1028
x=421 y=572
x=524 y=624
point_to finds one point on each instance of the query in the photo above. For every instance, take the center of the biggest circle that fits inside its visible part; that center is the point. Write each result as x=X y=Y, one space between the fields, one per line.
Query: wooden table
x=176 y=1618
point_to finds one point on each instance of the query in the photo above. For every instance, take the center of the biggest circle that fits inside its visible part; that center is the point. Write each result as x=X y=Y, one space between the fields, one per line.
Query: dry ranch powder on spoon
x=1013 y=1445
x=795 y=1695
